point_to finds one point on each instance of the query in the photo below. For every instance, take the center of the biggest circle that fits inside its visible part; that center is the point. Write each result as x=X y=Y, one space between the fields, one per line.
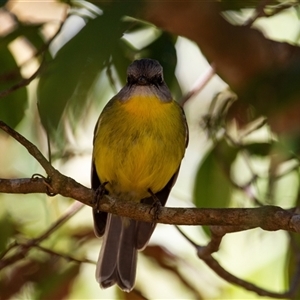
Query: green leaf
x=292 y=255
x=57 y=285
x=7 y=230
x=22 y=29
x=70 y=75
x=33 y=36
x=212 y=186
x=297 y=10
x=122 y=56
x=3 y=2
x=31 y=33
x=292 y=262
x=259 y=149
x=12 y=106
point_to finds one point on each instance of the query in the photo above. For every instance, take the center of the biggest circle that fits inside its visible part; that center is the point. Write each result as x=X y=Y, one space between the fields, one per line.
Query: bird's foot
x=156 y=206
x=99 y=193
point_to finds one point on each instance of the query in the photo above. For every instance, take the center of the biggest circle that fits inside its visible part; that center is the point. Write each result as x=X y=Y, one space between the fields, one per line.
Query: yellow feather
x=139 y=144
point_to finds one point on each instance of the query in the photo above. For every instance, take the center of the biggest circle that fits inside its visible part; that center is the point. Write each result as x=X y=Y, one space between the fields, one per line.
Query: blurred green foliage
x=69 y=76
x=212 y=183
x=66 y=81
x=12 y=108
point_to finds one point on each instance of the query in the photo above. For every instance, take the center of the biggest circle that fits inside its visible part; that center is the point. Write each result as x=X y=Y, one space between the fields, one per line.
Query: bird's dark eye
x=130 y=79
x=157 y=80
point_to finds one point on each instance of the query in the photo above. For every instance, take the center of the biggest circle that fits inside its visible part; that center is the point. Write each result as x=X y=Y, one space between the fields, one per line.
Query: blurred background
x=75 y=54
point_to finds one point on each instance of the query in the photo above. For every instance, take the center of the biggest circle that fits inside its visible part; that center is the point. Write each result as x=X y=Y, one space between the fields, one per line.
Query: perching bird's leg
x=100 y=192
x=156 y=206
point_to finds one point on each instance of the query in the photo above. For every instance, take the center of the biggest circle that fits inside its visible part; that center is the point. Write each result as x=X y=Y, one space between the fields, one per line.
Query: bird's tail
x=118 y=255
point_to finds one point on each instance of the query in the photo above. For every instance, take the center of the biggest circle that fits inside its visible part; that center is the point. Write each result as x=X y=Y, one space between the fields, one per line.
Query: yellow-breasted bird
x=139 y=142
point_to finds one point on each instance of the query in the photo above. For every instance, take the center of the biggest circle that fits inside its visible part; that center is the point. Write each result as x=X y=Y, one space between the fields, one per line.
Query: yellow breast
x=138 y=145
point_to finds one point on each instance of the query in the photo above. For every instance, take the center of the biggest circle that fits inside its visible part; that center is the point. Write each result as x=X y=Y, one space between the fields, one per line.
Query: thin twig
x=259 y=12
x=205 y=253
x=218 y=269
x=31 y=148
x=26 y=81
x=108 y=65
x=24 y=248
x=9 y=248
x=199 y=84
x=71 y=211
x=56 y=182
x=65 y=256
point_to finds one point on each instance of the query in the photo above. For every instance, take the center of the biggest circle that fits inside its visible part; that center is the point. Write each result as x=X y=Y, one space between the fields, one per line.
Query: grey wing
x=99 y=217
x=145 y=229
x=186 y=128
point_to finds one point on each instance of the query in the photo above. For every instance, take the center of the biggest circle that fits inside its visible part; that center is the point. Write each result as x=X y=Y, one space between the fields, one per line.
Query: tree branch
x=23 y=185
x=205 y=253
x=58 y=183
x=267 y=217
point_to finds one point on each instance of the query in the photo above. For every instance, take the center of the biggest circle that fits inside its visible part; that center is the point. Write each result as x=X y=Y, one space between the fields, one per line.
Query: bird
x=139 y=142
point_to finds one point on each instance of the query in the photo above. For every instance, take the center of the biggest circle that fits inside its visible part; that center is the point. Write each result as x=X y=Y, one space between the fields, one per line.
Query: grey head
x=145 y=71
x=147 y=74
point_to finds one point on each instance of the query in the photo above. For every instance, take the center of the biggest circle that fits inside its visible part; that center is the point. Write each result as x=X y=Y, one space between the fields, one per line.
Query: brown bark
x=254 y=66
x=239 y=52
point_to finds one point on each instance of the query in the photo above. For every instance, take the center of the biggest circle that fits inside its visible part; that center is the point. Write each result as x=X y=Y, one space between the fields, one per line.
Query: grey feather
x=118 y=255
